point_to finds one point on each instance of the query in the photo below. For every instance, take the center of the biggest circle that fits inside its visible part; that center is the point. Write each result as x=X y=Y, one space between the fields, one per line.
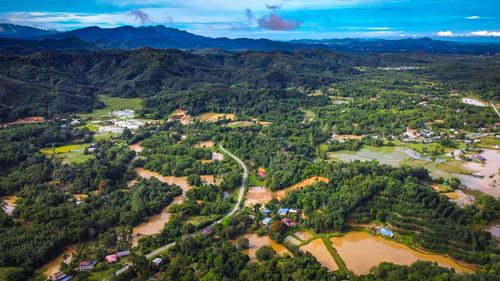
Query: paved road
x=233 y=211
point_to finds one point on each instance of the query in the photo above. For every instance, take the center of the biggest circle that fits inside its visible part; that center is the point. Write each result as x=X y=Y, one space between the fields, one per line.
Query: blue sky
x=279 y=20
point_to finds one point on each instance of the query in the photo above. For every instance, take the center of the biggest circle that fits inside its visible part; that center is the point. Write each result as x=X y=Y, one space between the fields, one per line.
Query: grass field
x=454 y=166
x=113 y=104
x=90 y=127
x=73 y=152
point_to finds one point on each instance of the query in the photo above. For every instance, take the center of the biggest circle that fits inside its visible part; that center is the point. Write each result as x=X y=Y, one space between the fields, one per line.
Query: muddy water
x=255 y=242
x=52 y=267
x=257 y=194
x=460 y=198
x=205 y=144
x=156 y=223
x=319 y=250
x=9 y=204
x=207 y=179
x=136 y=147
x=360 y=251
x=282 y=193
x=490 y=182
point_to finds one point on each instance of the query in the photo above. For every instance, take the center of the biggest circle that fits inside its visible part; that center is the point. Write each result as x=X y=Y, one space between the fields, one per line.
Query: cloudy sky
x=282 y=20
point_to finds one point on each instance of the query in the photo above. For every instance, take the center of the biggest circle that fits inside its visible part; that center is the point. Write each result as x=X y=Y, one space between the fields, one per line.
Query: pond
x=360 y=251
x=319 y=250
x=255 y=242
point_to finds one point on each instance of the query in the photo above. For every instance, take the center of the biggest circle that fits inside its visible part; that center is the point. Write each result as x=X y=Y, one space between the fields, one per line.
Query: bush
x=265 y=253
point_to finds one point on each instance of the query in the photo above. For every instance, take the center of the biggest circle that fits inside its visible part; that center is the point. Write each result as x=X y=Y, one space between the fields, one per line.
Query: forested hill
x=46 y=83
x=129 y=37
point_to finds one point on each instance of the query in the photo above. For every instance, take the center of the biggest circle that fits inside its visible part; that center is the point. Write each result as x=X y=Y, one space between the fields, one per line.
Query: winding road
x=233 y=211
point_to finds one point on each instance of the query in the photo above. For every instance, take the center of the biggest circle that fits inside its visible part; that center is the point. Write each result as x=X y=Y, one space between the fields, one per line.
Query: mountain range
x=23 y=40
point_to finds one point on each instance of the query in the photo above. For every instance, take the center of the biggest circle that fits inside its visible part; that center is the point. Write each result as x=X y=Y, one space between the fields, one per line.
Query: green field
x=113 y=104
x=73 y=152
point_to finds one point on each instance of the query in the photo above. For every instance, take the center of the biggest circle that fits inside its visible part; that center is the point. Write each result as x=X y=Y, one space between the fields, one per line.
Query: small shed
x=122 y=254
x=157 y=261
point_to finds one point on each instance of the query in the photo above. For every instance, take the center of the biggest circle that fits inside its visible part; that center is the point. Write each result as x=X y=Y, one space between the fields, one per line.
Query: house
x=262 y=174
x=91 y=149
x=468 y=141
x=61 y=276
x=112 y=258
x=292 y=210
x=266 y=221
x=266 y=211
x=157 y=261
x=283 y=211
x=86 y=265
x=207 y=231
x=386 y=232
x=122 y=254
x=289 y=222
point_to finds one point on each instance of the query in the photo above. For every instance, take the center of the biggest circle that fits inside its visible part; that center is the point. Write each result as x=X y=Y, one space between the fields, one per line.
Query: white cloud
x=485 y=33
x=473 y=17
x=445 y=33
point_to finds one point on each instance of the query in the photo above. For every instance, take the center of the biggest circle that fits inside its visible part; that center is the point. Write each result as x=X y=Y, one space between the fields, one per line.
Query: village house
x=386 y=232
x=283 y=211
x=87 y=265
x=157 y=261
x=61 y=276
x=266 y=221
x=111 y=258
x=123 y=253
x=289 y=222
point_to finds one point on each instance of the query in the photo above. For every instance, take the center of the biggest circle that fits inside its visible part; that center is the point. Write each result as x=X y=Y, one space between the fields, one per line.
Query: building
x=283 y=211
x=292 y=210
x=157 y=261
x=112 y=258
x=61 y=276
x=289 y=222
x=87 y=265
x=266 y=221
x=122 y=254
x=386 y=232
x=266 y=211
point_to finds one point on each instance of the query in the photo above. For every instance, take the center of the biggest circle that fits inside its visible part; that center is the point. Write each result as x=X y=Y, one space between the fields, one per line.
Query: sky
x=277 y=20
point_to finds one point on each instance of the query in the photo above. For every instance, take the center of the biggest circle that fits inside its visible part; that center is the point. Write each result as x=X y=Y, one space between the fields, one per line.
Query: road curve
x=495 y=108
x=233 y=211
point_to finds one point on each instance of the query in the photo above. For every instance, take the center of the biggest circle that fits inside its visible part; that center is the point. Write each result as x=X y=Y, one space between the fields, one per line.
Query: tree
x=242 y=243
x=265 y=253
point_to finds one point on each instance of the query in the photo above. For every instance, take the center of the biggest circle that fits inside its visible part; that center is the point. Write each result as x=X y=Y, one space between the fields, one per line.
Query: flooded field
x=494 y=229
x=257 y=194
x=460 y=198
x=304 y=235
x=292 y=240
x=180 y=181
x=52 y=267
x=360 y=251
x=487 y=175
x=9 y=204
x=255 y=242
x=282 y=193
x=319 y=250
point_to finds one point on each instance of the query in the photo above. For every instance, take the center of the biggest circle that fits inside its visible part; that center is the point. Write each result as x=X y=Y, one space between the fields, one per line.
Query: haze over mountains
x=127 y=37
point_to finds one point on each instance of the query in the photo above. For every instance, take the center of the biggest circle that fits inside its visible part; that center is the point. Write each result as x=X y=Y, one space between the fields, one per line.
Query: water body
x=360 y=251
x=255 y=242
x=53 y=266
x=156 y=222
x=319 y=250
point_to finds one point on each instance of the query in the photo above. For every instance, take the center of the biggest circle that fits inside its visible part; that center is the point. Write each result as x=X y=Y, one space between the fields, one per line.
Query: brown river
x=360 y=251
x=156 y=223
